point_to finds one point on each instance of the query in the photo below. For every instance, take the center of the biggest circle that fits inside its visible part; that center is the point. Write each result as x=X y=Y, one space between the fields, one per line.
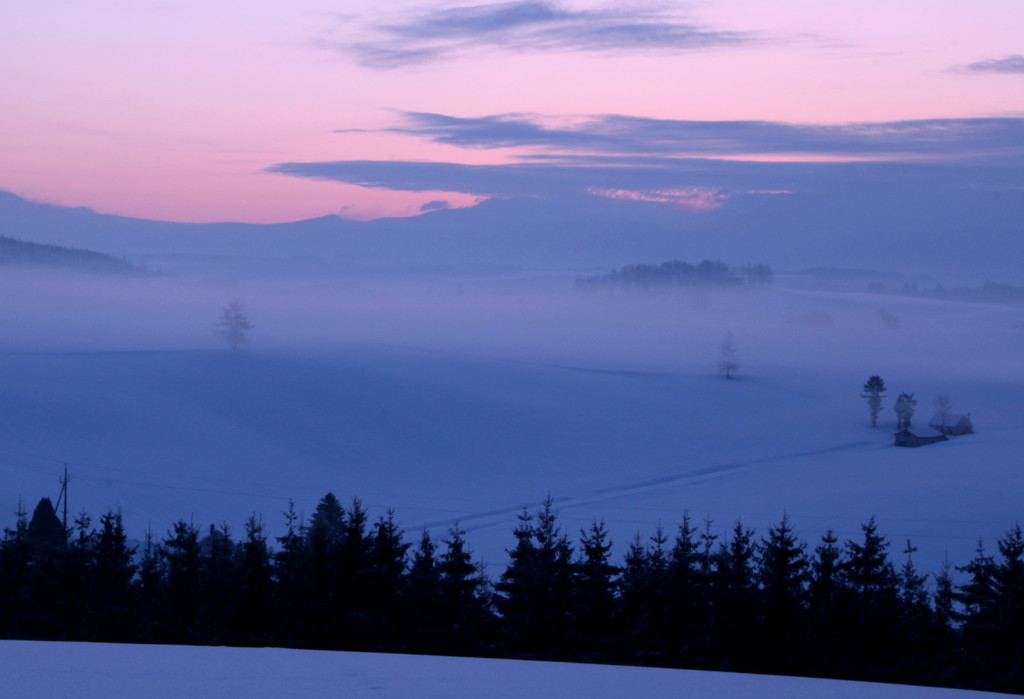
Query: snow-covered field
x=35 y=669
x=462 y=404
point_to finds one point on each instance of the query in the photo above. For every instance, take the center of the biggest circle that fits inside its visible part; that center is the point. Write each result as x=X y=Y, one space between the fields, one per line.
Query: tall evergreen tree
x=783 y=575
x=181 y=593
x=874 y=392
x=464 y=594
x=250 y=610
x=425 y=617
x=874 y=612
x=594 y=618
x=534 y=590
x=110 y=586
x=734 y=602
x=827 y=597
x=687 y=598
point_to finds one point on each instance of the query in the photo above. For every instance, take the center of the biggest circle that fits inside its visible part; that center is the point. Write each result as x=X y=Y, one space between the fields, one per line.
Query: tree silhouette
x=233 y=325
x=727 y=362
x=874 y=391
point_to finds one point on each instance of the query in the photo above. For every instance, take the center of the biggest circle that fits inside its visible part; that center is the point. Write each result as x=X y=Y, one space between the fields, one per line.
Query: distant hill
x=20 y=253
x=965 y=238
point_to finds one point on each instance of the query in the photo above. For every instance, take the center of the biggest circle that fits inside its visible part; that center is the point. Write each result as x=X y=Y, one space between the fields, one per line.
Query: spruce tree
x=181 y=589
x=594 y=617
x=687 y=599
x=464 y=595
x=874 y=392
x=734 y=602
x=534 y=590
x=425 y=620
x=783 y=575
x=250 y=612
x=873 y=615
x=828 y=601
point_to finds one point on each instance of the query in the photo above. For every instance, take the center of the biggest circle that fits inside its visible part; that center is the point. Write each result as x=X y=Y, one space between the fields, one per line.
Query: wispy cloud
x=950 y=138
x=1009 y=64
x=696 y=165
x=528 y=26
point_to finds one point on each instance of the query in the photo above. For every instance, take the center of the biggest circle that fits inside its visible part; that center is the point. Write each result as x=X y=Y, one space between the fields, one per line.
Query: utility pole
x=64 y=494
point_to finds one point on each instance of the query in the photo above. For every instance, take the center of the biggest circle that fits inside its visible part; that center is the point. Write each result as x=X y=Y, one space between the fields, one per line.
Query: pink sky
x=174 y=110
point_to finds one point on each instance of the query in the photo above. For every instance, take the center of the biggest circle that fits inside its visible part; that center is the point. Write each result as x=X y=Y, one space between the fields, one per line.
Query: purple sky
x=268 y=110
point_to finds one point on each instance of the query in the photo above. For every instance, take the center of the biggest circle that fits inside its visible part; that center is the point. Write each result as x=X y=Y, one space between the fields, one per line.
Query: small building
x=918 y=438
x=952 y=425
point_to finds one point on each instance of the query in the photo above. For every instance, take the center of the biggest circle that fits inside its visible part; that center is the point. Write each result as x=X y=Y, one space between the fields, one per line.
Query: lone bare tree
x=874 y=391
x=943 y=408
x=727 y=363
x=233 y=325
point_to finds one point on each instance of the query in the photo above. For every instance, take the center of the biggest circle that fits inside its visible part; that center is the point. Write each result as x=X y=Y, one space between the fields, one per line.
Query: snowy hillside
x=34 y=669
x=456 y=404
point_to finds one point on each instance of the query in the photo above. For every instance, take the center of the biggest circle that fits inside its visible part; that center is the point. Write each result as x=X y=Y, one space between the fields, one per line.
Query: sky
x=274 y=110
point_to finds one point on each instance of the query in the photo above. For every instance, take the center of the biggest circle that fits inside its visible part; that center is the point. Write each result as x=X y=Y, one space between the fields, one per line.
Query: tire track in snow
x=636 y=489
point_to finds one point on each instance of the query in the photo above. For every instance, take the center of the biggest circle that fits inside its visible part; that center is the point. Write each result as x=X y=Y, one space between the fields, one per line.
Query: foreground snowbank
x=38 y=669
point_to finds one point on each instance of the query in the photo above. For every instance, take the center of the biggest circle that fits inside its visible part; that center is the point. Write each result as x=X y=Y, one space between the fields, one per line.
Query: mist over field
x=463 y=400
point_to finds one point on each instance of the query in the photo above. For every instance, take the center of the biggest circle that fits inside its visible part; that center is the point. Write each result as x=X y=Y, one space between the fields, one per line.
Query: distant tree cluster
x=905 y=406
x=767 y=604
x=677 y=273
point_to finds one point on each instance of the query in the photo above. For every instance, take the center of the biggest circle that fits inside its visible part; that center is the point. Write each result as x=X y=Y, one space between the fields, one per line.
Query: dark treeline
x=688 y=598
x=989 y=292
x=21 y=253
x=679 y=273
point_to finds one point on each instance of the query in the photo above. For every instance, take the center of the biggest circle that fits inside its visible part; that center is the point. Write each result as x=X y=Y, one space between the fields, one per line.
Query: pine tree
x=425 y=621
x=233 y=325
x=464 y=597
x=111 y=581
x=874 y=611
x=534 y=590
x=217 y=583
x=828 y=601
x=182 y=596
x=594 y=618
x=783 y=575
x=250 y=609
x=728 y=364
x=874 y=392
x=294 y=602
x=1005 y=627
x=687 y=598
x=734 y=602
x=917 y=637
x=381 y=584
x=15 y=559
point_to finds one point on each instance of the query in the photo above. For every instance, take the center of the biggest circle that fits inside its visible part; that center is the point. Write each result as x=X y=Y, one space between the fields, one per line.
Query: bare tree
x=943 y=408
x=233 y=325
x=727 y=363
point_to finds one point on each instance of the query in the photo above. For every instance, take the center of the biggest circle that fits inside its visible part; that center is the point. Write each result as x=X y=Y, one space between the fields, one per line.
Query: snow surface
x=40 y=669
x=465 y=402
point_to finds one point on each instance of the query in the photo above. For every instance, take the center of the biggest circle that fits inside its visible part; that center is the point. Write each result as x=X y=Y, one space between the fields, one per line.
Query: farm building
x=907 y=438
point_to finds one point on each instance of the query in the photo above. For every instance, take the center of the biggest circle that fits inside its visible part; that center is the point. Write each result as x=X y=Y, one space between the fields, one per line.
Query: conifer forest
x=688 y=598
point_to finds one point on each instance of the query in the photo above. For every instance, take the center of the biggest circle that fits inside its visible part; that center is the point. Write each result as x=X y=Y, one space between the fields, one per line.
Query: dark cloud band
x=529 y=26
x=1009 y=64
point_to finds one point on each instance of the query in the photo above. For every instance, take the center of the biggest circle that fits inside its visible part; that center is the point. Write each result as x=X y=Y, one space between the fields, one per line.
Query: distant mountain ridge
x=968 y=237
